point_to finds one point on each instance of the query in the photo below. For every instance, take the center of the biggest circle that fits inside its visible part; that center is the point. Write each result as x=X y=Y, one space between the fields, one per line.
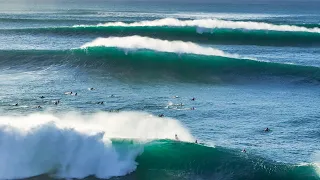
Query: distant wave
x=212 y=24
x=218 y=32
x=136 y=144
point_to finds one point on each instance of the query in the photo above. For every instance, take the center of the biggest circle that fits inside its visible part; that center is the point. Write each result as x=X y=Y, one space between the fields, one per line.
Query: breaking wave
x=214 y=23
x=77 y=146
x=204 y=30
x=132 y=144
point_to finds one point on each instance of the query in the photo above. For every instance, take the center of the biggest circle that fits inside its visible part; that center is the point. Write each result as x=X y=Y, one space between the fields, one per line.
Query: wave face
x=77 y=146
x=142 y=57
x=167 y=158
x=131 y=144
x=191 y=61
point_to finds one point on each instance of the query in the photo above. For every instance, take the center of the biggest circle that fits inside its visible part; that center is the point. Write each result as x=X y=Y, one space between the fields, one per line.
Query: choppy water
x=249 y=66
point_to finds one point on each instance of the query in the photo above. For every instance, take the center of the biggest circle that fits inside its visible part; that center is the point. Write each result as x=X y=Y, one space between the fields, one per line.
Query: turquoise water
x=248 y=65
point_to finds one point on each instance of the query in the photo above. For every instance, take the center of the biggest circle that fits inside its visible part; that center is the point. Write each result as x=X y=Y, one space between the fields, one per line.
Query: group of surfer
x=66 y=93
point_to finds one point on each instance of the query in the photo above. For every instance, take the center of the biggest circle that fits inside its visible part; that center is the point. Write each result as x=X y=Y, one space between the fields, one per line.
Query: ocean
x=99 y=89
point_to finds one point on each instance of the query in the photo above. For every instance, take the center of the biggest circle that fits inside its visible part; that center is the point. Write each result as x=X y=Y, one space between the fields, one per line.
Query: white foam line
x=211 y=24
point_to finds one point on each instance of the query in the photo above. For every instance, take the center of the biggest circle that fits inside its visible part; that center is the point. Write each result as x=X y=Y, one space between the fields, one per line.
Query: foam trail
x=213 y=23
x=138 y=42
x=77 y=146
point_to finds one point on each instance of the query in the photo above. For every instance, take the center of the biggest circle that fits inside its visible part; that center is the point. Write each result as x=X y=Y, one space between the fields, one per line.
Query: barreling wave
x=204 y=31
x=142 y=57
x=129 y=145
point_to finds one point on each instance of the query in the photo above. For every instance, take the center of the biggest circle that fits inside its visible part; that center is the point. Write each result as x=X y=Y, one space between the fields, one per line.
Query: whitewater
x=74 y=145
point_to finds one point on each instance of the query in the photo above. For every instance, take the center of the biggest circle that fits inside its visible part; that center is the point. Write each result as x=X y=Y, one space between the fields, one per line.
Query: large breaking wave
x=77 y=146
x=132 y=144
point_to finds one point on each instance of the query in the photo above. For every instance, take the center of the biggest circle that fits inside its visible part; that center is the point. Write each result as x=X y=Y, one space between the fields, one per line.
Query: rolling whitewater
x=100 y=89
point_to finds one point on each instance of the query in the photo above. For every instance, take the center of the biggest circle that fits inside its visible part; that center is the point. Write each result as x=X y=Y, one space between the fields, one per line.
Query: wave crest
x=138 y=42
x=211 y=24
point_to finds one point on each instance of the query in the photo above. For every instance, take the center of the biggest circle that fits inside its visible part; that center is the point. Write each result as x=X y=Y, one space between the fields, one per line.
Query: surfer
x=41 y=97
x=193 y=99
x=100 y=102
x=267 y=130
x=91 y=89
x=68 y=93
x=196 y=142
x=16 y=104
x=244 y=151
x=112 y=96
x=192 y=108
x=161 y=115
x=56 y=102
x=176 y=137
x=76 y=94
x=39 y=107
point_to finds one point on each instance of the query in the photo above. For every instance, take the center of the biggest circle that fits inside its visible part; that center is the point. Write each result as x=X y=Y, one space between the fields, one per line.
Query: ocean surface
x=249 y=66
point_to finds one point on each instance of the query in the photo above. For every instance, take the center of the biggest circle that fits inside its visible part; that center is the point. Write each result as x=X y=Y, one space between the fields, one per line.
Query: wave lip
x=138 y=42
x=211 y=24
